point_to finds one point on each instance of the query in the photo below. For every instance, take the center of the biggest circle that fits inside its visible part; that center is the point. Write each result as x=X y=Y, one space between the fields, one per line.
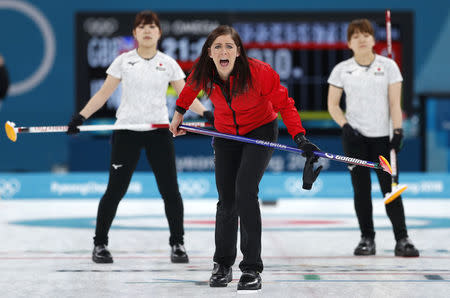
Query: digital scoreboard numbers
x=302 y=48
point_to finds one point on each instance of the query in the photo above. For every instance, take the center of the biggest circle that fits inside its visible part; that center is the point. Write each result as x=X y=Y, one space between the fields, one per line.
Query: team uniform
x=144 y=87
x=239 y=167
x=367 y=111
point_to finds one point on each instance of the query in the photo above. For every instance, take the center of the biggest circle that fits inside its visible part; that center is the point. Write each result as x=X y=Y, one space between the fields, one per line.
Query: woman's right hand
x=72 y=126
x=174 y=125
x=349 y=133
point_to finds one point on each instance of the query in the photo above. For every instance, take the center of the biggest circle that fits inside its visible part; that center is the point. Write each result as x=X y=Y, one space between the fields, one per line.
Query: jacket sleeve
x=281 y=102
x=4 y=81
x=186 y=97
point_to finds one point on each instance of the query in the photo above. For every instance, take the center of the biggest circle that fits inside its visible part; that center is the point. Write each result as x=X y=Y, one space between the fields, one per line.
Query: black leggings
x=369 y=149
x=239 y=169
x=126 y=149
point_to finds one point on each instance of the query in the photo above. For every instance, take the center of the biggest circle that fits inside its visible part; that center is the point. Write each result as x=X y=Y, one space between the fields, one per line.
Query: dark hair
x=147 y=17
x=360 y=25
x=204 y=69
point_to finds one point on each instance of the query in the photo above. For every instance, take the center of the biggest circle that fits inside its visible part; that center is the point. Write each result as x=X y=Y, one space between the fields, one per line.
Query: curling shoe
x=101 y=254
x=178 y=254
x=250 y=281
x=366 y=247
x=405 y=248
x=221 y=276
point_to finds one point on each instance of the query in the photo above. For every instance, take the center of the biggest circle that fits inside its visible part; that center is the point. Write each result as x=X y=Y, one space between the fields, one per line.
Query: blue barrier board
x=202 y=185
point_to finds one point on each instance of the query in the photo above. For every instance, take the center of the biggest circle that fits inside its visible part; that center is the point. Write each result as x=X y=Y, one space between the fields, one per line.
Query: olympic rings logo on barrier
x=294 y=186
x=8 y=188
x=49 y=45
x=194 y=187
x=101 y=26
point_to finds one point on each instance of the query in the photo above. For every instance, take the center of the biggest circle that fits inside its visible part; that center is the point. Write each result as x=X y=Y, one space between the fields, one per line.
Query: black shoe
x=101 y=254
x=250 y=281
x=366 y=247
x=221 y=276
x=405 y=248
x=178 y=254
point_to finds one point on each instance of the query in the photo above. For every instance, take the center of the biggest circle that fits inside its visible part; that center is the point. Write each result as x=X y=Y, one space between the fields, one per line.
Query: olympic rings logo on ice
x=294 y=186
x=49 y=45
x=101 y=26
x=194 y=187
x=8 y=188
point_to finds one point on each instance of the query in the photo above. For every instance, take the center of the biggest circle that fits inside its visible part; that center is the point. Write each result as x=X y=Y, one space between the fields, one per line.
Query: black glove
x=209 y=116
x=304 y=144
x=309 y=174
x=349 y=133
x=397 y=140
x=77 y=120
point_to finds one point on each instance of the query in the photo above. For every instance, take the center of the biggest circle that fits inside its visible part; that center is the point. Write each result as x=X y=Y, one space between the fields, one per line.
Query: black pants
x=239 y=169
x=369 y=149
x=126 y=149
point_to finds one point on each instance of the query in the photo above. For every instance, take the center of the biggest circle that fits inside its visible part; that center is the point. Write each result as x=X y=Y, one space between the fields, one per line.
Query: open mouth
x=224 y=62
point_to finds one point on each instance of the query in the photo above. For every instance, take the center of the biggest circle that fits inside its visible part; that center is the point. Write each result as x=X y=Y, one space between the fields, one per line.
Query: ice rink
x=307 y=251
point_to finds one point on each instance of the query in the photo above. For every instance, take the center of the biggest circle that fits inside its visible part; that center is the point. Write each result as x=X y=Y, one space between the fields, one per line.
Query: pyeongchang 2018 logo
x=9 y=187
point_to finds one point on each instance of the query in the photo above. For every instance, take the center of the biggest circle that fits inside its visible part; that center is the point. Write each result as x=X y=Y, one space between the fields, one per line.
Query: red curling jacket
x=260 y=105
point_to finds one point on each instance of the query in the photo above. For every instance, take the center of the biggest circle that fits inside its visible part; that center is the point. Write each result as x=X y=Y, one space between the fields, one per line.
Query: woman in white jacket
x=372 y=85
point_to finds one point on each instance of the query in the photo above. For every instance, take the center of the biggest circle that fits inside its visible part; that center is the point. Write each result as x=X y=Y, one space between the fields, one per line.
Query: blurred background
x=56 y=53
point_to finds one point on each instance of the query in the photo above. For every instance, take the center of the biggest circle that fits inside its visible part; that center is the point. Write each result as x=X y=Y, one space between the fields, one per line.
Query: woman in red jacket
x=247 y=96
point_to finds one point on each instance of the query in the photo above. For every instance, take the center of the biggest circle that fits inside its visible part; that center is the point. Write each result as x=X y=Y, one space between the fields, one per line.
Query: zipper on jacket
x=227 y=94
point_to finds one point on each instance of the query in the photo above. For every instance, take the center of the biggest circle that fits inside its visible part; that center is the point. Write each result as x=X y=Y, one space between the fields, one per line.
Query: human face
x=361 y=43
x=147 y=35
x=224 y=52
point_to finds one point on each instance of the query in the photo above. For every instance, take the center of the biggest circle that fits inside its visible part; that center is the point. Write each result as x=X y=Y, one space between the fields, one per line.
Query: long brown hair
x=204 y=69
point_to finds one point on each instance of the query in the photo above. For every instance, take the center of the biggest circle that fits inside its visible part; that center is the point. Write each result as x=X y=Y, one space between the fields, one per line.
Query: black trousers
x=239 y=169
x=126 y=149
x=369 y=149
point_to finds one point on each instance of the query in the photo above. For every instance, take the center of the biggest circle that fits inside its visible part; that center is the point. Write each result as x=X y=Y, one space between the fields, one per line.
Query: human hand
x=309 y=174
x=306 y=146
x=209 y=116
x=174 y=125
x=397 y=140
x=76 y=121
x=349 y=133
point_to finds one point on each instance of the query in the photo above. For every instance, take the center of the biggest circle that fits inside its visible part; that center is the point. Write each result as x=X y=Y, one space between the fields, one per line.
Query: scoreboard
x=302 y=47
